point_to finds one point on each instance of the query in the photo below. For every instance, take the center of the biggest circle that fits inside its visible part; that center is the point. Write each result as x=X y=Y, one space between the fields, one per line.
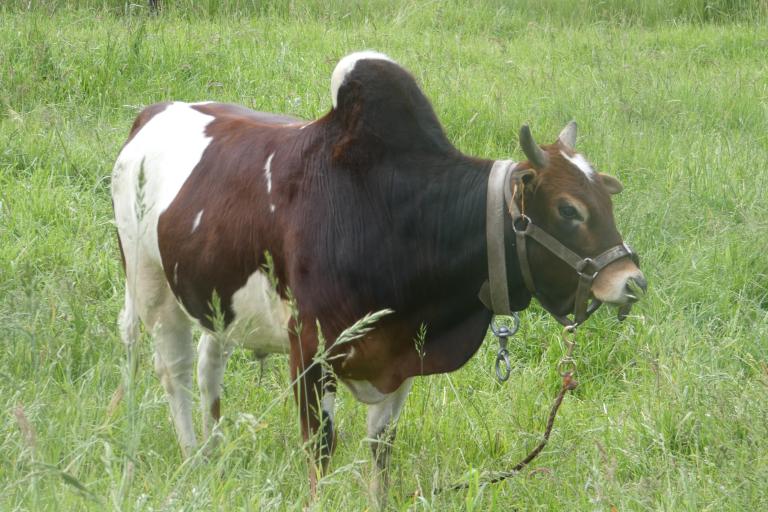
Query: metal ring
x=526 y=220
x=566 y=365
x=503 y=330
x=503 y=355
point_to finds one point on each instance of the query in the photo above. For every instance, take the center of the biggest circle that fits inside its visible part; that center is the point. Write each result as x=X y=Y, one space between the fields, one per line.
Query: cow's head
x=565 y=196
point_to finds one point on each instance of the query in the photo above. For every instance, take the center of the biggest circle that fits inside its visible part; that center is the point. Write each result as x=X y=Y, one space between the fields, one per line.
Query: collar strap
x=494 y=292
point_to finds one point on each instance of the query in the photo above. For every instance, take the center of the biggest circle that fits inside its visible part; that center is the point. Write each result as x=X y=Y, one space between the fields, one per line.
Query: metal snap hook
x=502 y=333
x=503 y=373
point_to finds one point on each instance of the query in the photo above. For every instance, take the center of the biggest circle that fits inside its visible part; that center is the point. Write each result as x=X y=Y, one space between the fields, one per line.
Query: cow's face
x=571 y=201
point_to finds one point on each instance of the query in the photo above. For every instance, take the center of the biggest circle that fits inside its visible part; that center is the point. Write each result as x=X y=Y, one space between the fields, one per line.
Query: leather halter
x=495 y=292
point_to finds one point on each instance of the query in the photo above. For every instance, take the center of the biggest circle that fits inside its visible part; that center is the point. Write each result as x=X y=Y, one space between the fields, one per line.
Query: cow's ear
x=611 y=184
x=567 y=136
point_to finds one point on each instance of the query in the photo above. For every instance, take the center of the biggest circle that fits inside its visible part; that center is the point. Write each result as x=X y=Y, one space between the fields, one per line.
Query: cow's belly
x=261 y=317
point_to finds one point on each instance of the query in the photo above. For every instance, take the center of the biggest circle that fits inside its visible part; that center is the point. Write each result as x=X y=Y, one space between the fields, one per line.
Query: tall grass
x=669 y=414
x=559 y=12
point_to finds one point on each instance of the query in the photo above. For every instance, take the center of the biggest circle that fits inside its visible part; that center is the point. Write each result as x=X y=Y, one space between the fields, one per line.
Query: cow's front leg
x=315 y=393
x=382 y=425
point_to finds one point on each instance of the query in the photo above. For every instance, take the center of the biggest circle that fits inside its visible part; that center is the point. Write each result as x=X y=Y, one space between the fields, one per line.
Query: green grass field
x=670 y=96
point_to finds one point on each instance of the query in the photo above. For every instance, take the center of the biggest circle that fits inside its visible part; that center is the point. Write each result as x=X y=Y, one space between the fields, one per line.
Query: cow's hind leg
x=213 y=354
x=170 y=329
x=174 y=362
x=382 y=426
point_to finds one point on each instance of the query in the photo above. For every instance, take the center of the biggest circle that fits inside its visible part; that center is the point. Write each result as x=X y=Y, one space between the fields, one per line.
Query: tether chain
x=567 y=369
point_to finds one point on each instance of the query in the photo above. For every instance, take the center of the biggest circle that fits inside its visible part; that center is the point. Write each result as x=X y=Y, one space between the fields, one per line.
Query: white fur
x=345 y=67
x=328 y=404
x=581 y=164
x=268 y=177
x=196 y=222
x=261 y=317
x=365 y=392
x=382 y=418
x=167 y=148
x=268 y=173
x=387 y=411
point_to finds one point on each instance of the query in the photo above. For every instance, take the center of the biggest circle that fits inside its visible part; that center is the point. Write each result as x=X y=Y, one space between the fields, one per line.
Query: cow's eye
x=569 y=212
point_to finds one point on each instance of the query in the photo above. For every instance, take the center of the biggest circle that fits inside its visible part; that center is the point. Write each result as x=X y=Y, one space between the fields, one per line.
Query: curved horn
x=532 y=150
x=568 y=136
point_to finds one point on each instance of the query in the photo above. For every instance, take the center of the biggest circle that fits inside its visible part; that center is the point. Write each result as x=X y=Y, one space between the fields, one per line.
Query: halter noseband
x=495 y=292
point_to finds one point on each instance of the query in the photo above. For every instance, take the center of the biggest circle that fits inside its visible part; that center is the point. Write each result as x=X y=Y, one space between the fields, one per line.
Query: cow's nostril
x=636 y=282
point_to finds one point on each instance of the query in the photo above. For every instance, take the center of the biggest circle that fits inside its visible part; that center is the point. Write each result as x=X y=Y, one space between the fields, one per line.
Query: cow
x=278 y=233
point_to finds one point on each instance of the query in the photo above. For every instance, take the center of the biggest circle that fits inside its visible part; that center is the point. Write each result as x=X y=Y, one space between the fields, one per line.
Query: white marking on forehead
x=345 y=67
x=196 y=222
x=581 y=164
x=268 y=176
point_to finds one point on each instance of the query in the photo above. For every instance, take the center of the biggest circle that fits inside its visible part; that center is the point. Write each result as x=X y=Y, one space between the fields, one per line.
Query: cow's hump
x=380 y=105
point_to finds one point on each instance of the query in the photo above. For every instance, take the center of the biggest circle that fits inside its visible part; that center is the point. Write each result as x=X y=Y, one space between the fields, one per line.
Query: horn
x=532 y=150
x=568 y=136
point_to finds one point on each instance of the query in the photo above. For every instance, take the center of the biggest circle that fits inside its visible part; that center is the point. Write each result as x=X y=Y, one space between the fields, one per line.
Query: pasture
x=670 y=97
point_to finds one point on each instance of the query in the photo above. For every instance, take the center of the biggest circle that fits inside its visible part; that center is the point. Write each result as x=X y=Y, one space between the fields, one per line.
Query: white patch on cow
x=345 y=67
x=328 y=404
x=152 y=168
x=268 y=177
x=581 y=164
x=196 y=222
x=387 y=411
x=365 y=392
x=261 y=317
x=268 y=173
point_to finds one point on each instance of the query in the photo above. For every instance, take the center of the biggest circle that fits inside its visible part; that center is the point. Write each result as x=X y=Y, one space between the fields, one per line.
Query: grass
x=671 y=97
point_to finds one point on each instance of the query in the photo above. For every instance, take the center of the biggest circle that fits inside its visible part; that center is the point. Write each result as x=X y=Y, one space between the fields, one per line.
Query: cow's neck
x=430 y=260
x=460 y=321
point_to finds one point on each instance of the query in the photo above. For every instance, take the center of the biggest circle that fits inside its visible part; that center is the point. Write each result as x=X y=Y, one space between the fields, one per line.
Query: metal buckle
x=583 y=264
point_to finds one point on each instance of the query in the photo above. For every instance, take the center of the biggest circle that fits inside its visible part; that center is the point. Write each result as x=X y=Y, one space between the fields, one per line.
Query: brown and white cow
x=369 y=207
